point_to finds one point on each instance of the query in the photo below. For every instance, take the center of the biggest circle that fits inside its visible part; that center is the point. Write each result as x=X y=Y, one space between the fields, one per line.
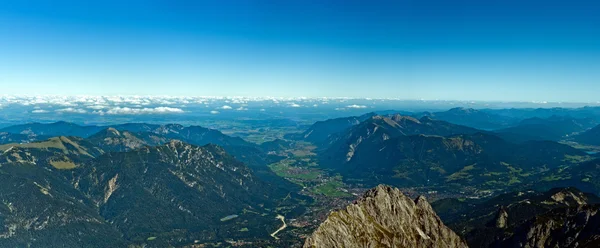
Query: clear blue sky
x=511 y=50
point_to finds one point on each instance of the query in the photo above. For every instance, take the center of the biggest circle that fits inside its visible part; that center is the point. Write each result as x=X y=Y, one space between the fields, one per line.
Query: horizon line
x=267 y=97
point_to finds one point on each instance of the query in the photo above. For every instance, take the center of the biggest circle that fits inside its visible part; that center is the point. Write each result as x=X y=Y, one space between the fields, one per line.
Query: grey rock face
x=501 y=218
x=384 y=217
x=563 y=227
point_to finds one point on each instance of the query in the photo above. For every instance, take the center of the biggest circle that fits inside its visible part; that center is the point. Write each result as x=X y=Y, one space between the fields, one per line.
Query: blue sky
x=455 y=50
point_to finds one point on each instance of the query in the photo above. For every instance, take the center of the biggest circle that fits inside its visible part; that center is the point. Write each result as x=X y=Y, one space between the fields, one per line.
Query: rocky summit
x=384 y=217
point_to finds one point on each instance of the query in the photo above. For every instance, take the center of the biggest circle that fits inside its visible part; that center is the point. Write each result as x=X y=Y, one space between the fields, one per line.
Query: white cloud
x=263 y=110
x=97 y=107
x=137 y=111
x=214 y=112
x=166 y=102
x=226 y=107
x=354 y=106
x=241 y=109
x=167 y=110
x=294 y=105
x=340 y=109
x=39 y=111
x=72 y=110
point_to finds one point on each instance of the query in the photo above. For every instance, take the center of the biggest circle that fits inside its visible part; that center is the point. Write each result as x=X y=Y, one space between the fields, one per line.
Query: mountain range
x=479 y=119
x=553 y=128
x=128 y=136
x=405 y=151
x=141 y=184
x=118 y=188
x=321 y=131
x=589 y=137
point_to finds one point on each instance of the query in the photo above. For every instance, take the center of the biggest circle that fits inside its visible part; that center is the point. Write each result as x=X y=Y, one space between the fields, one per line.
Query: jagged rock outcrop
x=562 y=227
x=384 y=217
x=501 y=219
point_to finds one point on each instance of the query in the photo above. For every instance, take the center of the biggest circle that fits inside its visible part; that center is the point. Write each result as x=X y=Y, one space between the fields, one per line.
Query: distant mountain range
x=525 y=113
x=6 y=138
x=479 y=119
x=129 y=136
x=558 y=121
x=60 y=128
x=192 y=134
x=511 y=128
x=553 y=128
x=589 y=137
x=405 y=151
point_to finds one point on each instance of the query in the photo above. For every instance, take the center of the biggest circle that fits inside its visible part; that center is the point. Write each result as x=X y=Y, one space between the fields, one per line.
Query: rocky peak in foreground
x=384 y=217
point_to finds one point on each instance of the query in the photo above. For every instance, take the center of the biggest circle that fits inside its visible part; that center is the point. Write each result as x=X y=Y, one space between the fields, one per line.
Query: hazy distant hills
x=6 y=138
x=525 y=113
x=553 y=128
x=60 y=128
x=560 y=120
x=589 y=137
x=479 y=119
x=509 y=127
